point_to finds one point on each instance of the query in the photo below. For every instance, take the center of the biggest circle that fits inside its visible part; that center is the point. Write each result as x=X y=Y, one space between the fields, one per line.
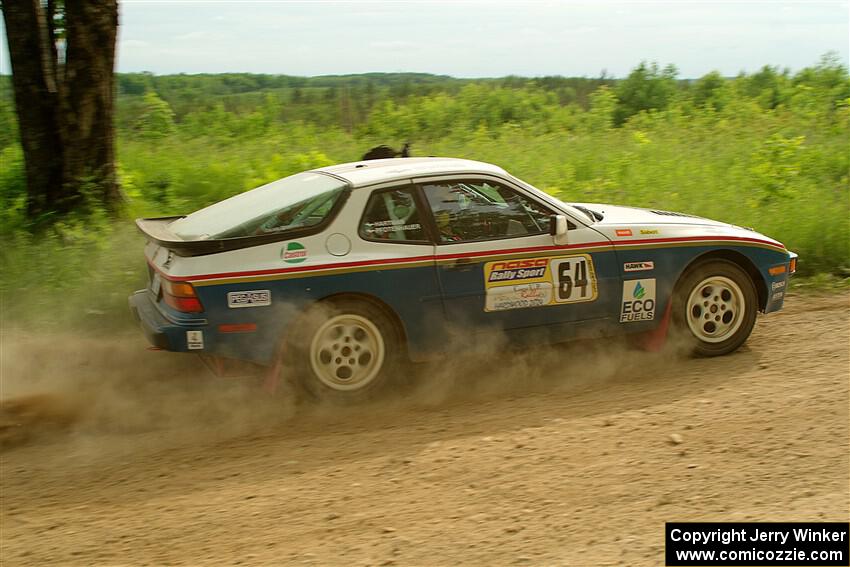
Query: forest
x=768 y=150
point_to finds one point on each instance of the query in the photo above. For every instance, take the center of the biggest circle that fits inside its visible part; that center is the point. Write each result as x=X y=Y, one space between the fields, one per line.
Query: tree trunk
x=37 y=101
x=65 y=111
x=87 y=99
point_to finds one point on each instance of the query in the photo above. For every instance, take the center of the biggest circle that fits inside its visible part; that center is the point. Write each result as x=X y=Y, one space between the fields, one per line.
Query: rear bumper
x=153 y=324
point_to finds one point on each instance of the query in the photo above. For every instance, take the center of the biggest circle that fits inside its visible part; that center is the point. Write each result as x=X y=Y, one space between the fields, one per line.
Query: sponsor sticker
x=254 y=298
x=294 y=253
x=623 y=232
x=195 y=340
x=778 y=295
x=638 y=301
x=649 y=231
x=513 y=270
x=380 y=228
x=777 y=285
x=519 y=296
x=638 y=266
x=534 y=282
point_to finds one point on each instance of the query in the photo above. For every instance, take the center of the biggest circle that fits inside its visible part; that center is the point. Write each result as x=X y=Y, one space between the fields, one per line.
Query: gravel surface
x=563 y=456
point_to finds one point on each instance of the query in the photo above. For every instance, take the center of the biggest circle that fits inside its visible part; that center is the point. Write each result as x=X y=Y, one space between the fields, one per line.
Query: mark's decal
x=623 y=232
x=195 y=340
x=638 y=301
x=649 y=231
x=294 y=253
x=254 y=298
x=638 y=266
x=535 y=282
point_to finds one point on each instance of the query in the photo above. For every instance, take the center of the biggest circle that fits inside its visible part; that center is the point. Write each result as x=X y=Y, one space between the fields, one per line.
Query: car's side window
x=392 y=215
x=483 y=210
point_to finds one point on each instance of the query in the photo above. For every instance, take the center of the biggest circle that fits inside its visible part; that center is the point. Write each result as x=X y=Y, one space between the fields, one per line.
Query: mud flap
x=654 y=341
x=272 y=377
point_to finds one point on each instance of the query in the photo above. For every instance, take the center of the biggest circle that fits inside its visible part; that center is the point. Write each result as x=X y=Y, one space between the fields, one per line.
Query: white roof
x=369 y=172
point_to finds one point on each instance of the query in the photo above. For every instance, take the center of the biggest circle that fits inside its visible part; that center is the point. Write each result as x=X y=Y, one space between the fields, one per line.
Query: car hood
x=616 y=215
x=627 y=223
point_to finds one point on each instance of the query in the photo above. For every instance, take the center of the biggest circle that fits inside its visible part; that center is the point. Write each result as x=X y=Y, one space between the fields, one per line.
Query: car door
x=498 y=265
x=393 y=235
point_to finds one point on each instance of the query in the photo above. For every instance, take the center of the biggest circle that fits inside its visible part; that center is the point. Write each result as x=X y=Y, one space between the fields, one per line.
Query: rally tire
x=714 y=307
x=345 y=351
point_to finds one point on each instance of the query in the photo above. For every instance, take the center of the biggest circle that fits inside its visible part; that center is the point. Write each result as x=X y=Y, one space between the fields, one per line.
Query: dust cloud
x=108 y=394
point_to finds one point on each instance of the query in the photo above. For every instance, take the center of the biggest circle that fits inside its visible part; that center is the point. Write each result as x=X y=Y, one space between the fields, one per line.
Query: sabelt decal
x=194 y=340
x=294 y=253
x=623 y=232
x=638 y=266
x=254 y=298
x=535 y=282
x=649 y=231
x=638 y=301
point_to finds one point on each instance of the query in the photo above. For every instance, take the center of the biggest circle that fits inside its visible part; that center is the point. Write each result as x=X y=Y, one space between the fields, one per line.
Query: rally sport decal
x=535 y=282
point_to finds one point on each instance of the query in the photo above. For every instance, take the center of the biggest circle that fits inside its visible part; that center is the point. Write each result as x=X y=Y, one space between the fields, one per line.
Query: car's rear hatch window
x=297 y=202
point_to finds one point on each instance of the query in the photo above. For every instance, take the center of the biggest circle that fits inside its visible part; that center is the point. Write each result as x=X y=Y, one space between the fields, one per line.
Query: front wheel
x=715 y=307
x=345 y=351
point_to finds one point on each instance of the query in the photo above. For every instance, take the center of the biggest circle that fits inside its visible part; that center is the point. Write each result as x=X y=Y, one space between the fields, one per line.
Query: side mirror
x=558 y=228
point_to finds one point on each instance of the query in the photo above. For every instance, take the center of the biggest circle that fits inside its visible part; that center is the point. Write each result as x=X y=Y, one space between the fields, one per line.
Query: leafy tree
x=158 y=118
x=769 y=86
x=708 y=91
x=646 y=88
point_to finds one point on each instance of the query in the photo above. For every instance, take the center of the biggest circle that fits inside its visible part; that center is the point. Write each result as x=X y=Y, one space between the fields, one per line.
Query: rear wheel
x=345 y=351
x=715 y=307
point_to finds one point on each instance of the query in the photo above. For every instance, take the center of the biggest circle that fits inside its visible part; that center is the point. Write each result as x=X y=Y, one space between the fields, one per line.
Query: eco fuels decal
x=638 y=301
x=535 y=282
x=294 y=253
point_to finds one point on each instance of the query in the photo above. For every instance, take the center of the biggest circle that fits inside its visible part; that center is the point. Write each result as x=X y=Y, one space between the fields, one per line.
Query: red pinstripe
x=341 y=265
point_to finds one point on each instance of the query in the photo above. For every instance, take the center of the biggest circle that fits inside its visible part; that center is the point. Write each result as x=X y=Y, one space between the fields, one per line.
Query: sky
x=466 y=38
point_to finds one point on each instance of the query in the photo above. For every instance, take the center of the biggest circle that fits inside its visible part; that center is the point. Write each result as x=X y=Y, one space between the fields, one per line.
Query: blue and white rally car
x=342 y=273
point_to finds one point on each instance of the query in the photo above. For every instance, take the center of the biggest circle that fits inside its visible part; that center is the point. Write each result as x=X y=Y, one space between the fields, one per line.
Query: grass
x=784 y=171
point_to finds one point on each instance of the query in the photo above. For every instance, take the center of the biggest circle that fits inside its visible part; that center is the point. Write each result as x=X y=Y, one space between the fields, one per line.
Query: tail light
x=181 y=296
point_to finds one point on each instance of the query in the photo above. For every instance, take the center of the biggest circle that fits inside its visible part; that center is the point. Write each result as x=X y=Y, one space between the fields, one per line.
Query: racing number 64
x=572 y=280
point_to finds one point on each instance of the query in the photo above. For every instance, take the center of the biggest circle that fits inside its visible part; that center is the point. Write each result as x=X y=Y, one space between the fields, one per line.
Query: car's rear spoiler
x=156 y=230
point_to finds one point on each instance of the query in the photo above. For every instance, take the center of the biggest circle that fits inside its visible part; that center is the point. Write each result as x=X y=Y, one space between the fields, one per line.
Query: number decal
x=575 y=279
x=565 y=283
x=522 y=283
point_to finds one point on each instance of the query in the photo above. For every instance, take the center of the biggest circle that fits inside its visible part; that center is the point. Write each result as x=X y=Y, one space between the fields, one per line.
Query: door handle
x=461 y=265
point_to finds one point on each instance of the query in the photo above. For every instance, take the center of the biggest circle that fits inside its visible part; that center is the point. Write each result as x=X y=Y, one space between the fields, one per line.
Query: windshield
x=298 y=201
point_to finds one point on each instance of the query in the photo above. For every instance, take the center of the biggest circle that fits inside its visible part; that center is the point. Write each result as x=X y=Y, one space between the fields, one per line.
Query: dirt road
x=567 y=456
